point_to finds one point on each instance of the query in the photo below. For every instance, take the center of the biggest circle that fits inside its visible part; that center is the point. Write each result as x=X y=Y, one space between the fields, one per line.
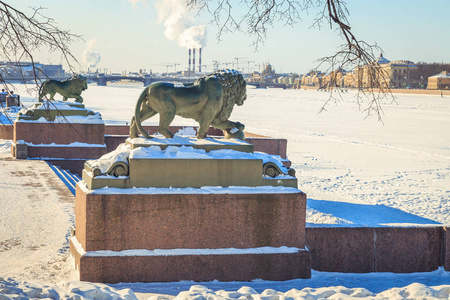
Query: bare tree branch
x=260 y=15
x=21 y=35
x=356 y=54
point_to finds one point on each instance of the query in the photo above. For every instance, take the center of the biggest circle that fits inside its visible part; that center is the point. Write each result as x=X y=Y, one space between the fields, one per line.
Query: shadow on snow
x=366 y=214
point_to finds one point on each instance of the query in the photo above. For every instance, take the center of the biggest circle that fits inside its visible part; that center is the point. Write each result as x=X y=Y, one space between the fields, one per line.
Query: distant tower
x=189 y=61
x=200 y=60
x=193 y=60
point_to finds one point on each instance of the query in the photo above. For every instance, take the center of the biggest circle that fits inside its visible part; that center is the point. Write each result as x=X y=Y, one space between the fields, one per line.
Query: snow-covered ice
x=356 y=171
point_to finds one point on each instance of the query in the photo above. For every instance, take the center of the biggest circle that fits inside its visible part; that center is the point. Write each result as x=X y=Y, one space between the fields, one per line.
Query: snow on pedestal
x=188 y=214
x=185 y=162
x=58 y=130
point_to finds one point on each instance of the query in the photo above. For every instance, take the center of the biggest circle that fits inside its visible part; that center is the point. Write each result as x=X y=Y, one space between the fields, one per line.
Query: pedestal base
x=238 y=233
x=58 y=133
x=23 y=151
x=58 y=140
x=114 y=267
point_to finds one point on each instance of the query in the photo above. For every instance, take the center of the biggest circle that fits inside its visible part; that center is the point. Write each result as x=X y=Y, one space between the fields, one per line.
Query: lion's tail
x=41 y=89
x=137 y=112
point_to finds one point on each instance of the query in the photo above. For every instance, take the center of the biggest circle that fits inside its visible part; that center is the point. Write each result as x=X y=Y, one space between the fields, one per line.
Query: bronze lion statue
x=69 y=88
x=209 y=101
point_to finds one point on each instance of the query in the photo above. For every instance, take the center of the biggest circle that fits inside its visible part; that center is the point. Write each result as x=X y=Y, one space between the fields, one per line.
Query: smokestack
x=189 y=61
x=200 y=60
x=193 y=60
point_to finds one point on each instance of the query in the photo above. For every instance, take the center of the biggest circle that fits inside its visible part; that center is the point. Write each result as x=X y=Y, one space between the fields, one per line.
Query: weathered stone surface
x=6 y=131
x=181 y=173
x=70 y=152
x=446 y=247
x=339 y=249
x=407 y=250
x=59 y=133
x=269 y=145
x=19 y=150
x=169 y=221
x=113 y=141
x=381 y=249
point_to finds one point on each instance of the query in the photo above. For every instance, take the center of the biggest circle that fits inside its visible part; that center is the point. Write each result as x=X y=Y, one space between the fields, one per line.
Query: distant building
x=25 y=69
x=313 y=78
x=334 y=78
x=268 y=74
x=440 y=81
x=392 y=74
x=53 y=70
x=350 y=80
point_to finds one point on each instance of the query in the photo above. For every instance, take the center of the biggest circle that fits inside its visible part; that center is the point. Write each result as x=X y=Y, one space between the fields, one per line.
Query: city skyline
x=127 y=36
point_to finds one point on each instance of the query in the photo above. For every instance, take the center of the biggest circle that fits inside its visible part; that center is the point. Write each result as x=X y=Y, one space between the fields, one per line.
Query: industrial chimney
x=189 y=61
x=200 y=60
x=193 y=60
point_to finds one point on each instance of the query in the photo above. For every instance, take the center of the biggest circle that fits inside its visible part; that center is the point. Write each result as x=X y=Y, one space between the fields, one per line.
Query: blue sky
x=129 y=37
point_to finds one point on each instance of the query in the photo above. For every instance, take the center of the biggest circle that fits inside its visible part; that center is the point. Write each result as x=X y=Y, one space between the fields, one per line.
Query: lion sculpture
x=69 y=88
x=209 y=101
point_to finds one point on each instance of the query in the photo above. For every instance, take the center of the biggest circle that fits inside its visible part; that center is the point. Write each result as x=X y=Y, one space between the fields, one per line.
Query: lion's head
x=234 y=92
x=77 y=83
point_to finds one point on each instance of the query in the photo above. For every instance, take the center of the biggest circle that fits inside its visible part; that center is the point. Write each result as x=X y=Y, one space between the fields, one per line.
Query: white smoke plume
x=91 y=58
x=134 y=3
x=179 y=24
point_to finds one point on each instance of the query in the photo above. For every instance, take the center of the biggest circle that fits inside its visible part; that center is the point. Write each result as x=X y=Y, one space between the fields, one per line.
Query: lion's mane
x=234 y=92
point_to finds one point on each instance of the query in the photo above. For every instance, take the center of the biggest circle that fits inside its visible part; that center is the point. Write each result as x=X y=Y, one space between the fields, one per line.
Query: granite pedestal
x=155 y=235
x=204 y=218
x=63 y=130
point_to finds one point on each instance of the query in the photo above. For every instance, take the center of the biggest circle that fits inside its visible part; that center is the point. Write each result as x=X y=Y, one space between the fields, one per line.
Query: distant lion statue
x=209 y=101
x=69 y=88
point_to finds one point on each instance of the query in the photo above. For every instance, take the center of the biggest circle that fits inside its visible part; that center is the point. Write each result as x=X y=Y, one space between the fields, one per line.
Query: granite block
x=341 y=249
x=446 y=248
x=231 y=267
x=195 y=221
x=408 y=250
x=59 y=133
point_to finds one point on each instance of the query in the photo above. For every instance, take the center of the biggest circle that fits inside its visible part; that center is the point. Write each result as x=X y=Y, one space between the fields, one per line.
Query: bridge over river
x=103 y=79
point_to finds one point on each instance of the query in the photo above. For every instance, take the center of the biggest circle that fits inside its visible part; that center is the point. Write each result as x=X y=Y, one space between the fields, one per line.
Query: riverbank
x=395 y=91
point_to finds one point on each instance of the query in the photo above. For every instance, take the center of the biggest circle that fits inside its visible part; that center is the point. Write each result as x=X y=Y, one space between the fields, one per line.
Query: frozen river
x=391 y=172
